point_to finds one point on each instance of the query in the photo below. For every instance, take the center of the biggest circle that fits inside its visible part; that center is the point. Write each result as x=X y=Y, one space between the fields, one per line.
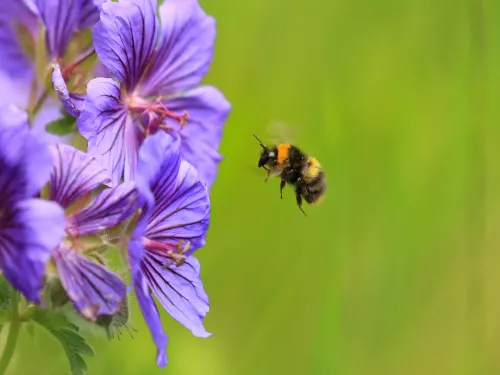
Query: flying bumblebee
x=296 y=168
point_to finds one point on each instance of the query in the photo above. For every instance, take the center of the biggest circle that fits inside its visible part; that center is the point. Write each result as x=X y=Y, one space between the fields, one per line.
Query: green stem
x=15 y=326
x=38 y=104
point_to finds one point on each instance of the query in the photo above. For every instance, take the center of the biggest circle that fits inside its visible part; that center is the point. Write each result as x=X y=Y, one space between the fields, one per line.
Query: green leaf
x=72 y=342
x=62 y=126
x=85 y=327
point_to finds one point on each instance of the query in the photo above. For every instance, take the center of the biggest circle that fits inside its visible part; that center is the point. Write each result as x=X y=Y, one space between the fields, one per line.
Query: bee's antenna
x=264 y=147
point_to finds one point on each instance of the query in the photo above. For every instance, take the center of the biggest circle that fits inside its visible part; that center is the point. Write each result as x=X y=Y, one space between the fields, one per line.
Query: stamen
x=176 y=252
x=156 y=113
x=75 y=241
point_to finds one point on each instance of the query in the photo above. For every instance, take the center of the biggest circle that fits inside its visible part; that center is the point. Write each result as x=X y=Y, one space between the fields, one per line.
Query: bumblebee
x=296 y=168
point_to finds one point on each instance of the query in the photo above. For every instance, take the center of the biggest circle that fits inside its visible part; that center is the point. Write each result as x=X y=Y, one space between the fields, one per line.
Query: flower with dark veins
x=29 y=227
x=25 y=66
x=159 y=66
x=20 y=26
x=173 y=224
x=93 y=289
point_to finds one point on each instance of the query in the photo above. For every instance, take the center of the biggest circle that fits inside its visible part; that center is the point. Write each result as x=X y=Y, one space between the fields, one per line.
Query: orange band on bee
x=282 y=152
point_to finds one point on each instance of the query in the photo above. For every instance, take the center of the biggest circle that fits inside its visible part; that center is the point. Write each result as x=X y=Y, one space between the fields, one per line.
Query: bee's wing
x=282 y=132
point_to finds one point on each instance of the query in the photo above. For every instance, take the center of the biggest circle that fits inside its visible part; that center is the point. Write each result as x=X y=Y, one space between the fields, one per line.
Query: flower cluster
x=108 y=143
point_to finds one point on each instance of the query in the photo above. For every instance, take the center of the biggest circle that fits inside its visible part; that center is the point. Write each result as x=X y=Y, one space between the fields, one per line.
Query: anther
x=177 y=256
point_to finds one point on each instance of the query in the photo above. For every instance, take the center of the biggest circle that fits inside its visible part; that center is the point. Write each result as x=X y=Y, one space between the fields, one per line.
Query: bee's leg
x=282 y=186
x=299 y=202
x=268 y=173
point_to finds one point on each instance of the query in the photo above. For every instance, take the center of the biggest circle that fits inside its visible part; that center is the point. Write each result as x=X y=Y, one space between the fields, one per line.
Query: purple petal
x=208 y=110
x=15 y=90
x=159 y=157
x=25 y=162
x=135 y=254
x=100 y=70
x=10 y=115
x=182 y=209
x=152 y=318
x=179 y=290
x=125 y=39
x=112 y=134
x=145 y=200
x=29 y=230
x=159 y=160
x=72 y=102
x=61 y=19
x=108 y=209
x=186 y=49
x=74 y=175
x=93 y=289
x=13 y=60
x=89 y=15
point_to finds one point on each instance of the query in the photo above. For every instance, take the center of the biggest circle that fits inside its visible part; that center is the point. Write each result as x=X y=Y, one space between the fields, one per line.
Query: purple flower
x=21 y=22
x=29 y=227
x=61 y=19
x=172 y=226
x=93 y=289
x=159 y=66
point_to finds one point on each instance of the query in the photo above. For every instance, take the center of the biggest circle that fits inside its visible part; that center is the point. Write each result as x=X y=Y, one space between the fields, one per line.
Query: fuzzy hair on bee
x=295 y=168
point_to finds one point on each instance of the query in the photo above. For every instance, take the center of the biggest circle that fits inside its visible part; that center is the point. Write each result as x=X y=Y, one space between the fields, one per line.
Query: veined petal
x=72 y=102
x=181 y=211
x=108 y=209
x=93 y=289
x=13 y=60
x=185 y=51
x=74 y=175
x=90 y=13
x=25 y=162
x=61 y=19
x=179 y=290
x=146 y=202
x=112 y=134
x=159 y=160
x=29 y=230
x=152 y=318
x=125 y=38
x=208 y=111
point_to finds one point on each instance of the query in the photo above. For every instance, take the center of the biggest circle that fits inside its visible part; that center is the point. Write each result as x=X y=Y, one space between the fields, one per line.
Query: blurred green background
x=397 y=271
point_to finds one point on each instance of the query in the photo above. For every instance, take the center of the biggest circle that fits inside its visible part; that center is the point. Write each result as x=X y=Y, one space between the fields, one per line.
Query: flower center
x=153 y=114
x=174 y=252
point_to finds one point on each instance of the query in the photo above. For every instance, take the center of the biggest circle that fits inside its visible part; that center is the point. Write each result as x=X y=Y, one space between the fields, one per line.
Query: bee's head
x=267 y=155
